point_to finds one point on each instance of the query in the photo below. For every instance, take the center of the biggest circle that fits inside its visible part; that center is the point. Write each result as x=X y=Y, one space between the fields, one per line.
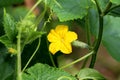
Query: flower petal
x=54 y=47
x=70 y=36
x=53 y=36
x=61 y=30
x=66 y=48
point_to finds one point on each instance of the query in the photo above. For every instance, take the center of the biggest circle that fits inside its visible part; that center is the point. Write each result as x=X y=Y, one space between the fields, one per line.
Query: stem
x=40 y=17
x=84 y=57
x=36 y=4
x=88 y=31
x=85 y=62
x=101 y=15
x=43 y=28
x=98 y=42
x=48 y=20
x=93 y=60
x=88 y=37
x=57 y=3
x=19 y=77
x=51 y=57
x=19 y=55
x=32 y=55
x=107 y=8
x=98 y=7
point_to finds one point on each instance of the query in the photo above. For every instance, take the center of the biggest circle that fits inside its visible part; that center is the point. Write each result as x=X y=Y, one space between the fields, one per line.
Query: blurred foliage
x=91 y=74
x=43 y=72
x=4 y=3
x=12 y=18
x=69 y=10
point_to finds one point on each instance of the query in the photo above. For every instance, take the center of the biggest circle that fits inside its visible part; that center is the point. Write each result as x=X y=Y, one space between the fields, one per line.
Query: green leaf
x=69 y=10
x=111 y=36
x=44 y=72
x=88 y=73
x=9 y=26
x=111 y=33
x=103 y=4
x=115 y=1
x=93 y=21
x=6 y=68
x=115 y=12
x=9 y=2
x=4 y=39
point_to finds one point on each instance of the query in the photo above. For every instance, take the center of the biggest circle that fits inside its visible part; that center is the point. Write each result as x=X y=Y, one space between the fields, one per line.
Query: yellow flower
x=61 y=39
x=12 y=51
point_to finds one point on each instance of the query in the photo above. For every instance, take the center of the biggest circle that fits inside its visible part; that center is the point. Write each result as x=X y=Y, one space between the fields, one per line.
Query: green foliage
x=6 y=69
x=5 y=40
x=103 y=3
x=22 y=30
x=17 y=13
x=44 y=72
x=91 y=74
x=115 y=1
x=93 y=20
x=69 y=10
x=9 y=2
x=10 y=31
x=111 y=36
x=9 y=26
x=115 y=12
x=29 y=30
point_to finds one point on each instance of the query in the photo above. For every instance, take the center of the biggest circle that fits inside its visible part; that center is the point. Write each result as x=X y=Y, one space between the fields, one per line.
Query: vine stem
x=32 y=55
x=98 y=42
x=84 y=57
x=97 y=45
x=51 y=58
x=19 y=55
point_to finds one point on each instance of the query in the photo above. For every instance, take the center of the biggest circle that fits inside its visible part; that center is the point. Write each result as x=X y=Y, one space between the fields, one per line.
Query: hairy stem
x=20 y=48
x=19 y=55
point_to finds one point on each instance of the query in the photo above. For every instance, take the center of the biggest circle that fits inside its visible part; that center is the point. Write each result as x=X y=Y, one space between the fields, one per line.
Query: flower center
x=62 y=39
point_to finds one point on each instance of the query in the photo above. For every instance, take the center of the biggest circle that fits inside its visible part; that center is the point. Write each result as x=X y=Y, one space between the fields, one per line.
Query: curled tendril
x=64 y=77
